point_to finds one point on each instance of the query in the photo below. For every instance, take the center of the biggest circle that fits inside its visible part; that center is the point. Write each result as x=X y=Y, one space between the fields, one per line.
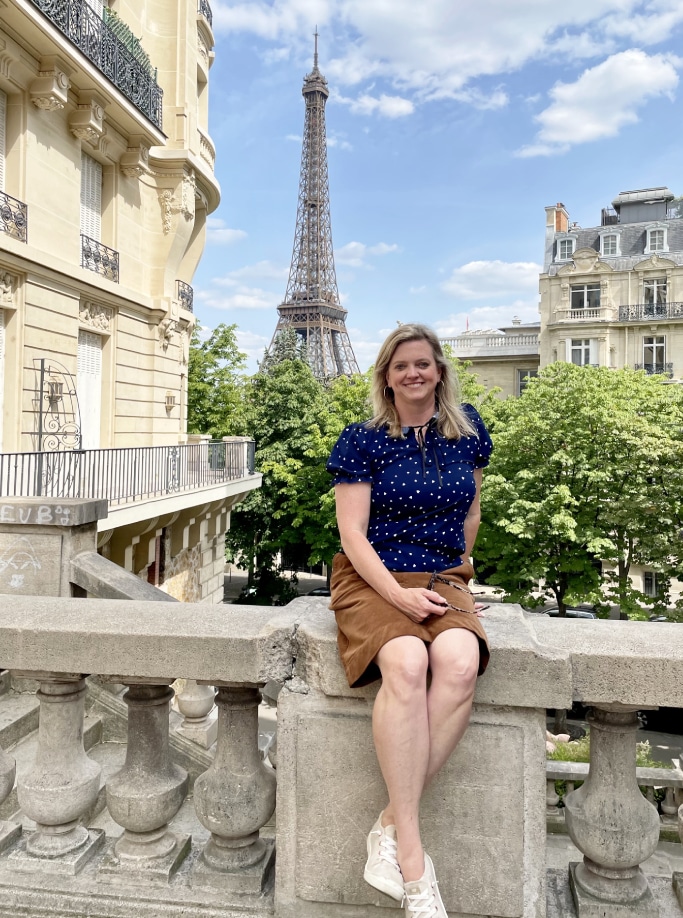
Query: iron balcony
x=127 y=475
x=86 y=29
x=645 y=311
x=99 y=258
x=656 y=369
x=184 y=295
x=13 y=217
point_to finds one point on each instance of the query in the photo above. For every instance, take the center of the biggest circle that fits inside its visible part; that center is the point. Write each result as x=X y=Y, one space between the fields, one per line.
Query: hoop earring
x=388 y=393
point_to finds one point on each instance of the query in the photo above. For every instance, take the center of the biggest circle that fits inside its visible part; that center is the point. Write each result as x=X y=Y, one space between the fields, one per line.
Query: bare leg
x=400 y=726
x=454 y=662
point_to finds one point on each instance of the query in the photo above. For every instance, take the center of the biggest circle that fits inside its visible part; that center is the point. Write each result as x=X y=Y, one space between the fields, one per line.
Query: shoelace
x=422 y=905
x=388 y=850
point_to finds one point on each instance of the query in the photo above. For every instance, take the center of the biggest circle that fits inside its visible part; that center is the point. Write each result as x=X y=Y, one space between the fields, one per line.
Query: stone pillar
x=196 y=704
x=44 y=534
x=9 y=832
x=64 y=782
x=611 y=822
x=235 y=797
x=148 y=791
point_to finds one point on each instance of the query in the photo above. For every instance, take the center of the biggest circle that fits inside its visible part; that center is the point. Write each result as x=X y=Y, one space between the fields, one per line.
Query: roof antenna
x=315 y=54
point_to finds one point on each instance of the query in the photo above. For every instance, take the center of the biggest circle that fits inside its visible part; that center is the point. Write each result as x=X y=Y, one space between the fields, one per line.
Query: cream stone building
x=106 y=181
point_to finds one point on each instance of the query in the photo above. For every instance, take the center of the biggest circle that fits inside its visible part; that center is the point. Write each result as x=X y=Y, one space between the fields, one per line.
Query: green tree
x=586 y=469
x=216 y=384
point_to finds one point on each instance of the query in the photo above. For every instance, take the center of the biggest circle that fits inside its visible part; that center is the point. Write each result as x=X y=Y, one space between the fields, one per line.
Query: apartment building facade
x=106 y=182
x=612 y=294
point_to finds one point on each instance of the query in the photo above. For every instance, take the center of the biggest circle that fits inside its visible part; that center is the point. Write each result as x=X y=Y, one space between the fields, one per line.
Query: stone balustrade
x=484 y=823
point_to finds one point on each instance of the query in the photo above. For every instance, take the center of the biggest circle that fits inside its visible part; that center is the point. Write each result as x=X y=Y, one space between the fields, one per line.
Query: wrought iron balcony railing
x=86 y=29
x=640 y=311
x=13 y=217
x=184 y=295
x=656 y=369
x=99 y=258
x=123 y=476
x=205 y=9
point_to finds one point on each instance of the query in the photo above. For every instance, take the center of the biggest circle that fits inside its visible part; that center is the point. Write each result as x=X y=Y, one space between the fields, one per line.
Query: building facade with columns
x=106 y=182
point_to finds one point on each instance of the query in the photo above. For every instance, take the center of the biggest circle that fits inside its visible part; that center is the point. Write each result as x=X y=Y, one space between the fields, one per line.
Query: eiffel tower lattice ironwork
x=311 y=305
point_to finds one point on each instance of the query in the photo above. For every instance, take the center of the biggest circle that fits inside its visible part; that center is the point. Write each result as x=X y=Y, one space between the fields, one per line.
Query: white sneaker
x=422 y=897
x=382 y=870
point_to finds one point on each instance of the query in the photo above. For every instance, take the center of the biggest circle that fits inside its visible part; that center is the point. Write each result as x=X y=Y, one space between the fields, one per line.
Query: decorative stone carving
x=135 y=161
x=235 y=798
x=99 y=317
x=50 y=90
x=202 y=47
x=185 y=205
x=6 y=61
x=610 y=821
x=7 y=283
x=167 y=328
x=64 y=782
x=184 y=345
x=87 y=122
x=149 y=790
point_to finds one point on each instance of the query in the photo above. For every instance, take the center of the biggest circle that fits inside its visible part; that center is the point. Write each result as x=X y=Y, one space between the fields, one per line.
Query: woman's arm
x=353 y=516
x=473 y=518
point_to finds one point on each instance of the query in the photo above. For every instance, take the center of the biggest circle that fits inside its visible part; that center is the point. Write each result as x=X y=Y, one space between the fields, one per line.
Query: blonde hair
x=453 y=423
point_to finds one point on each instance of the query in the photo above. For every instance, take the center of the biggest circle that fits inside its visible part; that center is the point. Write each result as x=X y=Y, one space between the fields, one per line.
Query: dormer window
x=656 y=240
x=609 y=244
x=565 y=248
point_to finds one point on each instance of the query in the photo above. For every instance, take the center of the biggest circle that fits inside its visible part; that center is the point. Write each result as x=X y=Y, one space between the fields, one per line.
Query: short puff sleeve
x=485 y=446
x=350 y=459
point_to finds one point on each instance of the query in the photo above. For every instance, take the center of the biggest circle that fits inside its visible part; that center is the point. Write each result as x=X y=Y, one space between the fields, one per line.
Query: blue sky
x=451 y=125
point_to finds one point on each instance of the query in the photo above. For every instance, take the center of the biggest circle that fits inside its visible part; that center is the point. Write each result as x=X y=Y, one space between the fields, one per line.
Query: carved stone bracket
x=135 y=161
x=167 y=328
x=184 y=204
x=98 y=317
x=87 y=122
x=50 y=90
x=8 y=286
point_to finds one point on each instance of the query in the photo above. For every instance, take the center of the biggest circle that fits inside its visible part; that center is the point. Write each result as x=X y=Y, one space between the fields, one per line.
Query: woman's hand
x=418 y=603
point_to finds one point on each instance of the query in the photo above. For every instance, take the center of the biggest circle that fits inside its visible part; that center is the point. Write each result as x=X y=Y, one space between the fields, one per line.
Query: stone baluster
x=668 y=806
x=9 y=832
x=551 y=798
x=196 y=704
x=148 y=791
x=235 y=797
x=64 y=782
x=677 y=879
x=611 y=822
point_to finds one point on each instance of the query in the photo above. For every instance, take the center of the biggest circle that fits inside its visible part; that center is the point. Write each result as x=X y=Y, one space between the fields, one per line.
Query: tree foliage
x=586 y=468
x=215 y=384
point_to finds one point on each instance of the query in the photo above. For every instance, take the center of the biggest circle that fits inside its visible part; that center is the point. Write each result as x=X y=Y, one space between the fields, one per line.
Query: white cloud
x=242 y=297
x=481 y=280
x=217 y=233
x=336 y=140
x=355 y=254
x=260 y=271
x=387 y=106
x=604 y=99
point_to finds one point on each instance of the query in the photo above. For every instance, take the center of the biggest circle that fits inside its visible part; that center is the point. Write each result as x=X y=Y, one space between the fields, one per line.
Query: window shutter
x=91 y=197
x=3 y=119
x=593 y=357
x=89 y=387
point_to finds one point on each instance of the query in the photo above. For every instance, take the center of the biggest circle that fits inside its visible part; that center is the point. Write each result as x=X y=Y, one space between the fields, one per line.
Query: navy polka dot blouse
x=420 y=494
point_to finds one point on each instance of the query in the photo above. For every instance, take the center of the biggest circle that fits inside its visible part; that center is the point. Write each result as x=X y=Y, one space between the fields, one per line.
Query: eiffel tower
x=311 y=305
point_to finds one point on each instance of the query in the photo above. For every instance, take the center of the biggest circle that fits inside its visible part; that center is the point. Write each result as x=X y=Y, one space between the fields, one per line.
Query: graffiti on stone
x=30 y=565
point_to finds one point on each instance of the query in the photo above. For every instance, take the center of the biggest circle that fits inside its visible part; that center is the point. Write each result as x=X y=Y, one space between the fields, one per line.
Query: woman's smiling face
x=413 y=374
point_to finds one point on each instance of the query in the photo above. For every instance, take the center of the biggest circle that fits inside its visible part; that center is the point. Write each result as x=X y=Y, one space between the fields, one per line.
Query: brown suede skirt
x=366 y=621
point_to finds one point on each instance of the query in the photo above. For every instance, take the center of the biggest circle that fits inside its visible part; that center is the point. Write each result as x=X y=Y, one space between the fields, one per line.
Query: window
x=654 y=291
x=582 y=352
x=654 y=353
x=610 y=244
x=656 y=240
x=2 y=368
x=91 y=197
x=653 y=583
x=585 y=296
x=89 y=387
x=565 y=249
x=523 y=377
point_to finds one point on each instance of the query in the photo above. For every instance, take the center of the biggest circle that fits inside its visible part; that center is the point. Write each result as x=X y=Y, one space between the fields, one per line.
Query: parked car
x=319 y=591
x=554 y=612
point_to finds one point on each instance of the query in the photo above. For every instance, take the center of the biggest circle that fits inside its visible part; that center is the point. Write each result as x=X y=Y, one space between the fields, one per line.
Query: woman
x=407 y=487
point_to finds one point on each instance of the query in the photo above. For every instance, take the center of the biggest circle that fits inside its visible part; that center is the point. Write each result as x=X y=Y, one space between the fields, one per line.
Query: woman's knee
x=455 y=662
x=403 y=663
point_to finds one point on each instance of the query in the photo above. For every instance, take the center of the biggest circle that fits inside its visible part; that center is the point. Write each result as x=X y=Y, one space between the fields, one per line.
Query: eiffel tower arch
x=311 y=305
